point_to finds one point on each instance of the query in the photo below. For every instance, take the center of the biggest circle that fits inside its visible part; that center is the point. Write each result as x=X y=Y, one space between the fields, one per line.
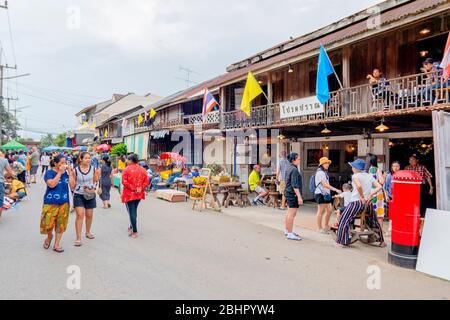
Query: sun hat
x=358 y=164
x=323 y=161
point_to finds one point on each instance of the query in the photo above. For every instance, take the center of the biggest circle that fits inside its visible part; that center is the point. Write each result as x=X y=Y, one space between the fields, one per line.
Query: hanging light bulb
x=326 y=130
x=281 y=137
x=290 y=69
x=382 y=127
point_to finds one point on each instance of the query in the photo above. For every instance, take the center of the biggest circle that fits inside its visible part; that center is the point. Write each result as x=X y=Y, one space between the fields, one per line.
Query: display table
x=171 y=195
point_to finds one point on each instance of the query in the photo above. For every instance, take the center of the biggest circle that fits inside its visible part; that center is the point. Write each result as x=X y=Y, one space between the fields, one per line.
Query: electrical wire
x=49 y=100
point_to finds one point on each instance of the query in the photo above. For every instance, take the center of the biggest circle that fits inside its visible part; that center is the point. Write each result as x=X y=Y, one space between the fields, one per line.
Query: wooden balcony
x=213 y=118
x=412 y=94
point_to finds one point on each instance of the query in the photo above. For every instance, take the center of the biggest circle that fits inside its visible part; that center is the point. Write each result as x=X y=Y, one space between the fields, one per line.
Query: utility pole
x=2 y=108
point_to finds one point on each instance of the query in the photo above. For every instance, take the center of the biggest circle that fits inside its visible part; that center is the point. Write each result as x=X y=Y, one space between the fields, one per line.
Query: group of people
x=370 y=189
x=430 y=81
x=85 y=180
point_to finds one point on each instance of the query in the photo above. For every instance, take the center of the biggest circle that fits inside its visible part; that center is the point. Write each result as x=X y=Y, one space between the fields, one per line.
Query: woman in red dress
x=134 y=181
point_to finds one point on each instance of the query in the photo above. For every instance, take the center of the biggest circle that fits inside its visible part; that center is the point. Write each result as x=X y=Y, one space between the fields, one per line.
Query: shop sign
x=159 y=134
x=301 y=107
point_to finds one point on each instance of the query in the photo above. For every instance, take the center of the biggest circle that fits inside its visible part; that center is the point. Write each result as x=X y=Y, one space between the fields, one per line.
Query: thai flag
x=209 y=103
x=446 y=60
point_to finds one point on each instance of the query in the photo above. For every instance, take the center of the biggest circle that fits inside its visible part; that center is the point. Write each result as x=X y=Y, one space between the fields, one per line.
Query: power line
x=60 y=91
x=49 y=100
x=11 y=37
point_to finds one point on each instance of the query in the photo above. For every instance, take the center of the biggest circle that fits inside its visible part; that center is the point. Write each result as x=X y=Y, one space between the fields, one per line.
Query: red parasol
x=103 y=147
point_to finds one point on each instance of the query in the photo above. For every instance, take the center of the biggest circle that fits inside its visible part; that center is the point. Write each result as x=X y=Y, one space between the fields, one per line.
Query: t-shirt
x=253 y=180
x=282 y=166
x=366 y=181
x=45 y=160
x=322 y=176
x=4 y=164
x=60 y=194
x=35 y=158
x=121 y=165
x=347 y=195
x=293 y=179
x=16 y=185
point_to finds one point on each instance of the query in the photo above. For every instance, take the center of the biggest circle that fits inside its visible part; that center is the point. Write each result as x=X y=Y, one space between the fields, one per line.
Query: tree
x=10 y=125
x=47 y=141
x=60 y=140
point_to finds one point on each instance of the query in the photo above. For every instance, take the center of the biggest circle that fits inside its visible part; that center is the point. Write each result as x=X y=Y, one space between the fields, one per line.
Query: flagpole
x=334 y=70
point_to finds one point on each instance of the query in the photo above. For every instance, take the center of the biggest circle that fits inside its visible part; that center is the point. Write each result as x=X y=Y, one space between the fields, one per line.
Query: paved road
x=186 y=255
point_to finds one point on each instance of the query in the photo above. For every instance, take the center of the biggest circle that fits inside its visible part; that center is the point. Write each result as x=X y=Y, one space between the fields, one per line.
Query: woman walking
x=395 y=167
x=55 y=211
x=293 y=195
x=362 y=194
x=378 y=202
x=134 y=181
x=84 y=198
x=45 y=162
x=322 y=195
x=106 y=182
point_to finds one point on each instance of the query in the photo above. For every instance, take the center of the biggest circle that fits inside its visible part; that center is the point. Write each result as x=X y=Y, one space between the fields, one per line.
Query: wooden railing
x=421 y=90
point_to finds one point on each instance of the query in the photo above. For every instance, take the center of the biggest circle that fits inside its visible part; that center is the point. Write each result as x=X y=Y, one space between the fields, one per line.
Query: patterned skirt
x=54 y=217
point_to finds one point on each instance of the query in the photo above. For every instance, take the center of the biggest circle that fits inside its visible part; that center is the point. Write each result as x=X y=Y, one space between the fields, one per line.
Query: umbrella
x=13 y=145
x=103 y=147
x=51 y=148
x=81 y=148
x=173 y=156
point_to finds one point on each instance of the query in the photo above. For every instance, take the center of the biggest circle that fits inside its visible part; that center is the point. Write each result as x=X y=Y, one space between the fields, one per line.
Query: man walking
x=34 y=164
x=283 y=165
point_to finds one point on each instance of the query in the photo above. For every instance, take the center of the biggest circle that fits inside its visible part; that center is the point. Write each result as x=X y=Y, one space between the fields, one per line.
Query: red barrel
x=404 y=211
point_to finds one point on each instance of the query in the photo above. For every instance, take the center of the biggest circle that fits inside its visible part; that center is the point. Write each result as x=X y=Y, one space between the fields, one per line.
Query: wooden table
x=232 y=192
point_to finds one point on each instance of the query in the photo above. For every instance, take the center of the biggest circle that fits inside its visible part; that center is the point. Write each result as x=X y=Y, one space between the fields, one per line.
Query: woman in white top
x=322 y=195
x=362 y=194
x=45 y=162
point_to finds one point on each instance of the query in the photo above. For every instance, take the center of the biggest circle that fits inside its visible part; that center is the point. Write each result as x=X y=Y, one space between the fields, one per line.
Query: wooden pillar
x=223 y=101
x=346 y=52
x=269 y=88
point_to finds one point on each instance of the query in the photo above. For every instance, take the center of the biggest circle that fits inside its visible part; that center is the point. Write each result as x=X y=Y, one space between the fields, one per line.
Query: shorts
x=21 y=194
x=2 y=194
x=259 y=189
x=282 y=187
x=34 y=169
x=80 y=202
x=320 y=199
x=292 y=201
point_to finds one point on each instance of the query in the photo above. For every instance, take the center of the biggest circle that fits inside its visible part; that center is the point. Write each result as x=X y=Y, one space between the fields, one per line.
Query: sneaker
x=286 y=233
x=292 y=236
x=255 y=203
x=324 y=231
x=261 y=202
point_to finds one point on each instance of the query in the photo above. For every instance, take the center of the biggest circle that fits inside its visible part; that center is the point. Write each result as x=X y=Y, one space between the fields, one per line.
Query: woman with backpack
x=320 y=186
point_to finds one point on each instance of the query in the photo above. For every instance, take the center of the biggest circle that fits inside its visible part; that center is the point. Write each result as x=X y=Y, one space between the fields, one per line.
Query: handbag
x=86 y=194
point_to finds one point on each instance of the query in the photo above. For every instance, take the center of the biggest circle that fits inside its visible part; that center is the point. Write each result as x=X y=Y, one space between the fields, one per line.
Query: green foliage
x=215 y=169
x=46 y=141
x=119 y=149
x=60 y=140
x=10 y=125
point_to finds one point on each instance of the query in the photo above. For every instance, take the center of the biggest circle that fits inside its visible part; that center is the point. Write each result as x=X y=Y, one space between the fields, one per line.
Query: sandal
x=130 y=232
x=77 y=244
x=90 y=236
x=47 y=244
x=58 y=250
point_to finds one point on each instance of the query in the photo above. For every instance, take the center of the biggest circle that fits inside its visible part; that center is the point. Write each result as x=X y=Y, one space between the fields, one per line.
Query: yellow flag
x=85 y=124
x=93 y=125
x=106 y=133
x=152 y=113
x=140 y=119
x=251 y=91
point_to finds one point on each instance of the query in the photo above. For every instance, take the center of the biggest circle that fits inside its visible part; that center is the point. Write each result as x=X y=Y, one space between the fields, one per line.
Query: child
x=346 y=195
x=16 y=188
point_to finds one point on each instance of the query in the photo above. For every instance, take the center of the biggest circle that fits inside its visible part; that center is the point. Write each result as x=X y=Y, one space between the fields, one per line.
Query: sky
x=80 y=52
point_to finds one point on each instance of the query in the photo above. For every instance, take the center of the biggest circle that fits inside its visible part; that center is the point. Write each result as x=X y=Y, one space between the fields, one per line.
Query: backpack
x=312 y=184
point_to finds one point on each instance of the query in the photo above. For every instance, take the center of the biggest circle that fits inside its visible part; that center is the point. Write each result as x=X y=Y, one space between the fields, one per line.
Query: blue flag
x=325 y=69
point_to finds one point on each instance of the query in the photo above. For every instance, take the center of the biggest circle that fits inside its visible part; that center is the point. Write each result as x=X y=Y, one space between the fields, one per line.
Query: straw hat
x=324 y=160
